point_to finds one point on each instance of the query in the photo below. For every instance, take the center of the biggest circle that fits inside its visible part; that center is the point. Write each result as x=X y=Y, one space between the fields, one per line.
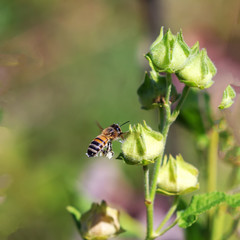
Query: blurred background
x=65 y=65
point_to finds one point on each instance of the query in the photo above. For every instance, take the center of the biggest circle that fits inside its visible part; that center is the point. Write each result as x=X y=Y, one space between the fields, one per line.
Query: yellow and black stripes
x=97 y=145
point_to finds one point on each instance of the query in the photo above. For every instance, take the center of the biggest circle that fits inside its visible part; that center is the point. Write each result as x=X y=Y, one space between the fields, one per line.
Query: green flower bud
x=198 y=70
x=153 y=90
x=177 y=177
x=168 y=53
x=227 y=100
x=99 y=223
x=142 y=145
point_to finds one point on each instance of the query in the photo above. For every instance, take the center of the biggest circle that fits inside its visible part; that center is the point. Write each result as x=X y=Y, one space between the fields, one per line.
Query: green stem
x=165 y=126
x=149 y=207
x=165 y=130
x=161 y=119
x=169 y=227
x=169 y=214
x=234 y=227
x=169 y=86
x=212 y=161
x=176 y=111
x=146 y=181
x=165 y=123
x=212 y=180
x=148 y=202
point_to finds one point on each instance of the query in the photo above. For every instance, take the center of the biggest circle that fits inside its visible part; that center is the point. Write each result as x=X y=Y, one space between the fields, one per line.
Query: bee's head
x=117 y=128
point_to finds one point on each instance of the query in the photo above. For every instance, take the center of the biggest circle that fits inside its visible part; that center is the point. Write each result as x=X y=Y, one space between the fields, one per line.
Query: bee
x=102 y=144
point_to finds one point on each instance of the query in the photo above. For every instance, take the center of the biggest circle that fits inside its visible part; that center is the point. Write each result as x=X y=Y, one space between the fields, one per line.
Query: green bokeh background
x=63 y=66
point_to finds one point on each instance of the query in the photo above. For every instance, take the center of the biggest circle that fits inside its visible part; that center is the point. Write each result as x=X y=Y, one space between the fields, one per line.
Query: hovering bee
x=102 y=144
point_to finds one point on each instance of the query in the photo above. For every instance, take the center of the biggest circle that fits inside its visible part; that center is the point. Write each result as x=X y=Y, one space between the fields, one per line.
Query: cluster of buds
x=144 y=145
x=169 y=53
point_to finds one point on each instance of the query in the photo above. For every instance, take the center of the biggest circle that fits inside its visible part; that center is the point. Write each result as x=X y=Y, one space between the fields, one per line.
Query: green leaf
x=202 y=203
x=227 y=100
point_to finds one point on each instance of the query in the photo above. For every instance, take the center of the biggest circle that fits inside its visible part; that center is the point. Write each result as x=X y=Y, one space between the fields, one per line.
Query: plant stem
x=168 y=87
x=165 y=130
x=146 y=181
x=157 y=164
x=165 y=122
x=148 y=204
x=212 y=161
x=169 y=227
x=212 y=179
x=176 y=111
x=169 y=214
x=161 y=119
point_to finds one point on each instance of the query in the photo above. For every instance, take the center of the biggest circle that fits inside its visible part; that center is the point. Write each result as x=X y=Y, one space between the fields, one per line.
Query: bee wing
x=98 y=124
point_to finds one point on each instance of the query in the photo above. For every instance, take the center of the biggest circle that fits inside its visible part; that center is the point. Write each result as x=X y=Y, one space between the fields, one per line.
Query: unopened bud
x=99 y=223
x=198 y=70
x=168 y=53
x=142 y=145
x=177 y=177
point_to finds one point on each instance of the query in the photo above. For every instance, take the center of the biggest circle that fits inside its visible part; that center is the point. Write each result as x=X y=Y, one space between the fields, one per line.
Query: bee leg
x=109 y=152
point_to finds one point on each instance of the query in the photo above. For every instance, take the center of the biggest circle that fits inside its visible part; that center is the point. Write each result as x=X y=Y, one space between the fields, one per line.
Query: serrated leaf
x=227 y=100
x=233 y=200
x=202 y=203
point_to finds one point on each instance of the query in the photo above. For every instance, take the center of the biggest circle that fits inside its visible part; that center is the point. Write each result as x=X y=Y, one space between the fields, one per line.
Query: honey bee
x=102 y=144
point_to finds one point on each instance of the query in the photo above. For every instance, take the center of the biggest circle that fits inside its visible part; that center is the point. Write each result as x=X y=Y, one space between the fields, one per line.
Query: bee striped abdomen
x=97 y=145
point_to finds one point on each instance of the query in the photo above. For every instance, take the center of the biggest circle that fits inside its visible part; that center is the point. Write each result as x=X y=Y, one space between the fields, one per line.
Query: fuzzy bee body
x=97 y=145
x=102 y=144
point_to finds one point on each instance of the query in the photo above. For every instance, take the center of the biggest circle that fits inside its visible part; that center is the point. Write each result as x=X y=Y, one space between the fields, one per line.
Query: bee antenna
x=124 y=123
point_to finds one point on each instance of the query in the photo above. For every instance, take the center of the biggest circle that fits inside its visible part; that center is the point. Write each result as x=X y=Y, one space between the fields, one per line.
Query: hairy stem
x=146 y=181
x=165 y=126
x=149 y=211
x=166 y=119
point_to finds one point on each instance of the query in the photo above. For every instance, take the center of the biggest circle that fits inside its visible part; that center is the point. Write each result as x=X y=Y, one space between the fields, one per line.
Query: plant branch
x=146 y=181
x=166 y=229
x=169 y=214
x=149 y=211
x=212 y=161
x=212 y=180
x=165 y=126
x=161 y=119
x=176 y=111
